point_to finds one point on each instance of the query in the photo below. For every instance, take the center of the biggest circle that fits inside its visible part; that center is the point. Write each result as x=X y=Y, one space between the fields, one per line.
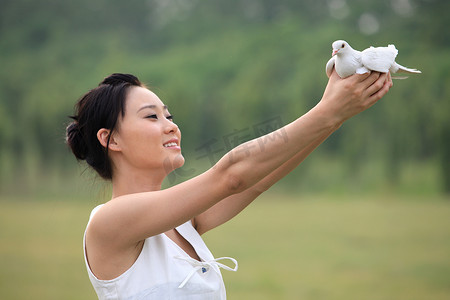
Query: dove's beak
x=334 y=52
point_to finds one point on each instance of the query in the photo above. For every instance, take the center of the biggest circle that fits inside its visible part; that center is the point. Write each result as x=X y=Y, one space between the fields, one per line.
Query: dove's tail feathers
x=408 y=70
x=401 y=69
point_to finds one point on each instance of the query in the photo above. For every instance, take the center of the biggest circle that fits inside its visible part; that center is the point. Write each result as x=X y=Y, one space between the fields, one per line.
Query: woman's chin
x=178 y=161
x=173 y=162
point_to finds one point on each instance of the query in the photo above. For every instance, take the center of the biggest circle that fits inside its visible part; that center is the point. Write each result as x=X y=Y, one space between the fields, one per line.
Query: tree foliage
x=222 y=66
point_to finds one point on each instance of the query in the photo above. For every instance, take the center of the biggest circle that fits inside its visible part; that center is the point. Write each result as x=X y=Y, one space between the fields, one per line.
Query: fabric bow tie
x=205 y=266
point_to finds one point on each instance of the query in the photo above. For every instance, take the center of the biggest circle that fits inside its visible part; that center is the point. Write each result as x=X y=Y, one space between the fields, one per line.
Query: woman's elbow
x=235 y=183
x=230 y=179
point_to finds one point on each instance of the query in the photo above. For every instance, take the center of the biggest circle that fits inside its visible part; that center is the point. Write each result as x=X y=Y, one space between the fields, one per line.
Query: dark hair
x=98 y=108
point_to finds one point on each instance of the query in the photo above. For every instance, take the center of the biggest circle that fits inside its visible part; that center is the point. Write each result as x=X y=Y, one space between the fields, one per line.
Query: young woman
x=145 y=242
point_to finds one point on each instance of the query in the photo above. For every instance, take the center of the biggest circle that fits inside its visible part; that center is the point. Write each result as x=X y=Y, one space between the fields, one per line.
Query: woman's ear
x=103 y=135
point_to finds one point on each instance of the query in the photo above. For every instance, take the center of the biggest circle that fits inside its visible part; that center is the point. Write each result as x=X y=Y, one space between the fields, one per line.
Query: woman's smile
x=172 y=144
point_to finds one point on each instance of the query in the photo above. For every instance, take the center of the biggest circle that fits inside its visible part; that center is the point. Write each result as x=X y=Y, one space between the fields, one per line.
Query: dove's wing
x=330 y=66
x=379 y=59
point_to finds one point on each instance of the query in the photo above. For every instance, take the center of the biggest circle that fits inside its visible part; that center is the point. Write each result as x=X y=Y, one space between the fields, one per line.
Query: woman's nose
x=170 y=126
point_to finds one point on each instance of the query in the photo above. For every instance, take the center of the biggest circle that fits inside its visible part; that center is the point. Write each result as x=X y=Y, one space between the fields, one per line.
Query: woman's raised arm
x=231 y=206
x=343 y=98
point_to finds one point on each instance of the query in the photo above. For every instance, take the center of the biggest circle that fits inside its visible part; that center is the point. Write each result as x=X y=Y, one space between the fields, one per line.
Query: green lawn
x=287 y=248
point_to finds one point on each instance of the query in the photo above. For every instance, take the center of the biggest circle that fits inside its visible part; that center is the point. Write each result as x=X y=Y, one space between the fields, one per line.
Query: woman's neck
x=138 y=181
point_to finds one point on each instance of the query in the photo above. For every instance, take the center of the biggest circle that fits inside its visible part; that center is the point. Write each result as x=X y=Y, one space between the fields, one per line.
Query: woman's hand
x=344 y=98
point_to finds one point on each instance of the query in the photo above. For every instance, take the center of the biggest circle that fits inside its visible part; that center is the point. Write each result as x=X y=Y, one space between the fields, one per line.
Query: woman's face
x=147 y=136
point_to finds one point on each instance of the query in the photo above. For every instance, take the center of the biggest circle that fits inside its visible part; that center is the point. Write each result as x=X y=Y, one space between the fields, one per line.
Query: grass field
x=287 y=248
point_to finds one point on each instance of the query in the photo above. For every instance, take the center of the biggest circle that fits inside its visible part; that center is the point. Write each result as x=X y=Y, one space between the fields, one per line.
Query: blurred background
x=229 y=72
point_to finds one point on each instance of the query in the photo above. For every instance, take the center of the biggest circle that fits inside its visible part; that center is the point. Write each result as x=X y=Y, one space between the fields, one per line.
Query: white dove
x=349 y=61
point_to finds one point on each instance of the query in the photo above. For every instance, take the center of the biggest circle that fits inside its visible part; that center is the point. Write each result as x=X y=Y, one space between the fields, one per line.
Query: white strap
x=205 y=266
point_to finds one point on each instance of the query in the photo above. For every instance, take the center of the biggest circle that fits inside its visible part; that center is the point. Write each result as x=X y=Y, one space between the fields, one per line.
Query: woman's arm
x=250 y=162
x=234 y=204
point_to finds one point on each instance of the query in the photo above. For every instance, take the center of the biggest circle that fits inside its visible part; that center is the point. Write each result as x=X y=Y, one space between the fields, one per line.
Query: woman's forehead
x=139 y=97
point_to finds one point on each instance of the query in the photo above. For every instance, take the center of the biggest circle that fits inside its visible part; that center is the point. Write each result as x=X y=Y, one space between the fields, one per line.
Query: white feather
x=379 y=59
x=330 y=65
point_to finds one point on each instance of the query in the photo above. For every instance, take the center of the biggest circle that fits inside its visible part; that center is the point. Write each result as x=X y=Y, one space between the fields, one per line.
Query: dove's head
x=340 y=47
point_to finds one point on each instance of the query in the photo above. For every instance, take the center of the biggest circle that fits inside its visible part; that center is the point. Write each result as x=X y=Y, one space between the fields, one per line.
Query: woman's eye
x=170 y=117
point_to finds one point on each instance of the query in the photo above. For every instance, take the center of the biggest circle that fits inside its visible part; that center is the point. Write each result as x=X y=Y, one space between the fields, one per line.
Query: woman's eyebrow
x=151 y=106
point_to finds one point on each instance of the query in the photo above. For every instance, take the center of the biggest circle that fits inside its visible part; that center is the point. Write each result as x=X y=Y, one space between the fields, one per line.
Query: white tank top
x=165 y=271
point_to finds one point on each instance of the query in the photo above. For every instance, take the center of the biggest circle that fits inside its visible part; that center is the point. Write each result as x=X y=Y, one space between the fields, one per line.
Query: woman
x=145 y=242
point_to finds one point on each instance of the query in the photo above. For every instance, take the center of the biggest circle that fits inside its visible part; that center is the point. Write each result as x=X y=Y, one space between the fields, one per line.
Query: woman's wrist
x=329 y=118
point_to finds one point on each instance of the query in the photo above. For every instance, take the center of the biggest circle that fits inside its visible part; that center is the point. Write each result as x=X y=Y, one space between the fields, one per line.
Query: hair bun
x=75 y=140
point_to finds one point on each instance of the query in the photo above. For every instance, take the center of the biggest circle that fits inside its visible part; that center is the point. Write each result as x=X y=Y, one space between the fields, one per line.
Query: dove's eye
x=343 y=45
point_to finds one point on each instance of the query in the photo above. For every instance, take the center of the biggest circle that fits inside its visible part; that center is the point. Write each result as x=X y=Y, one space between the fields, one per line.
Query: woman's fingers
x=376 y=85
x=371 y=79
x=390 y=80
x=364 y=76
x=380 y=92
